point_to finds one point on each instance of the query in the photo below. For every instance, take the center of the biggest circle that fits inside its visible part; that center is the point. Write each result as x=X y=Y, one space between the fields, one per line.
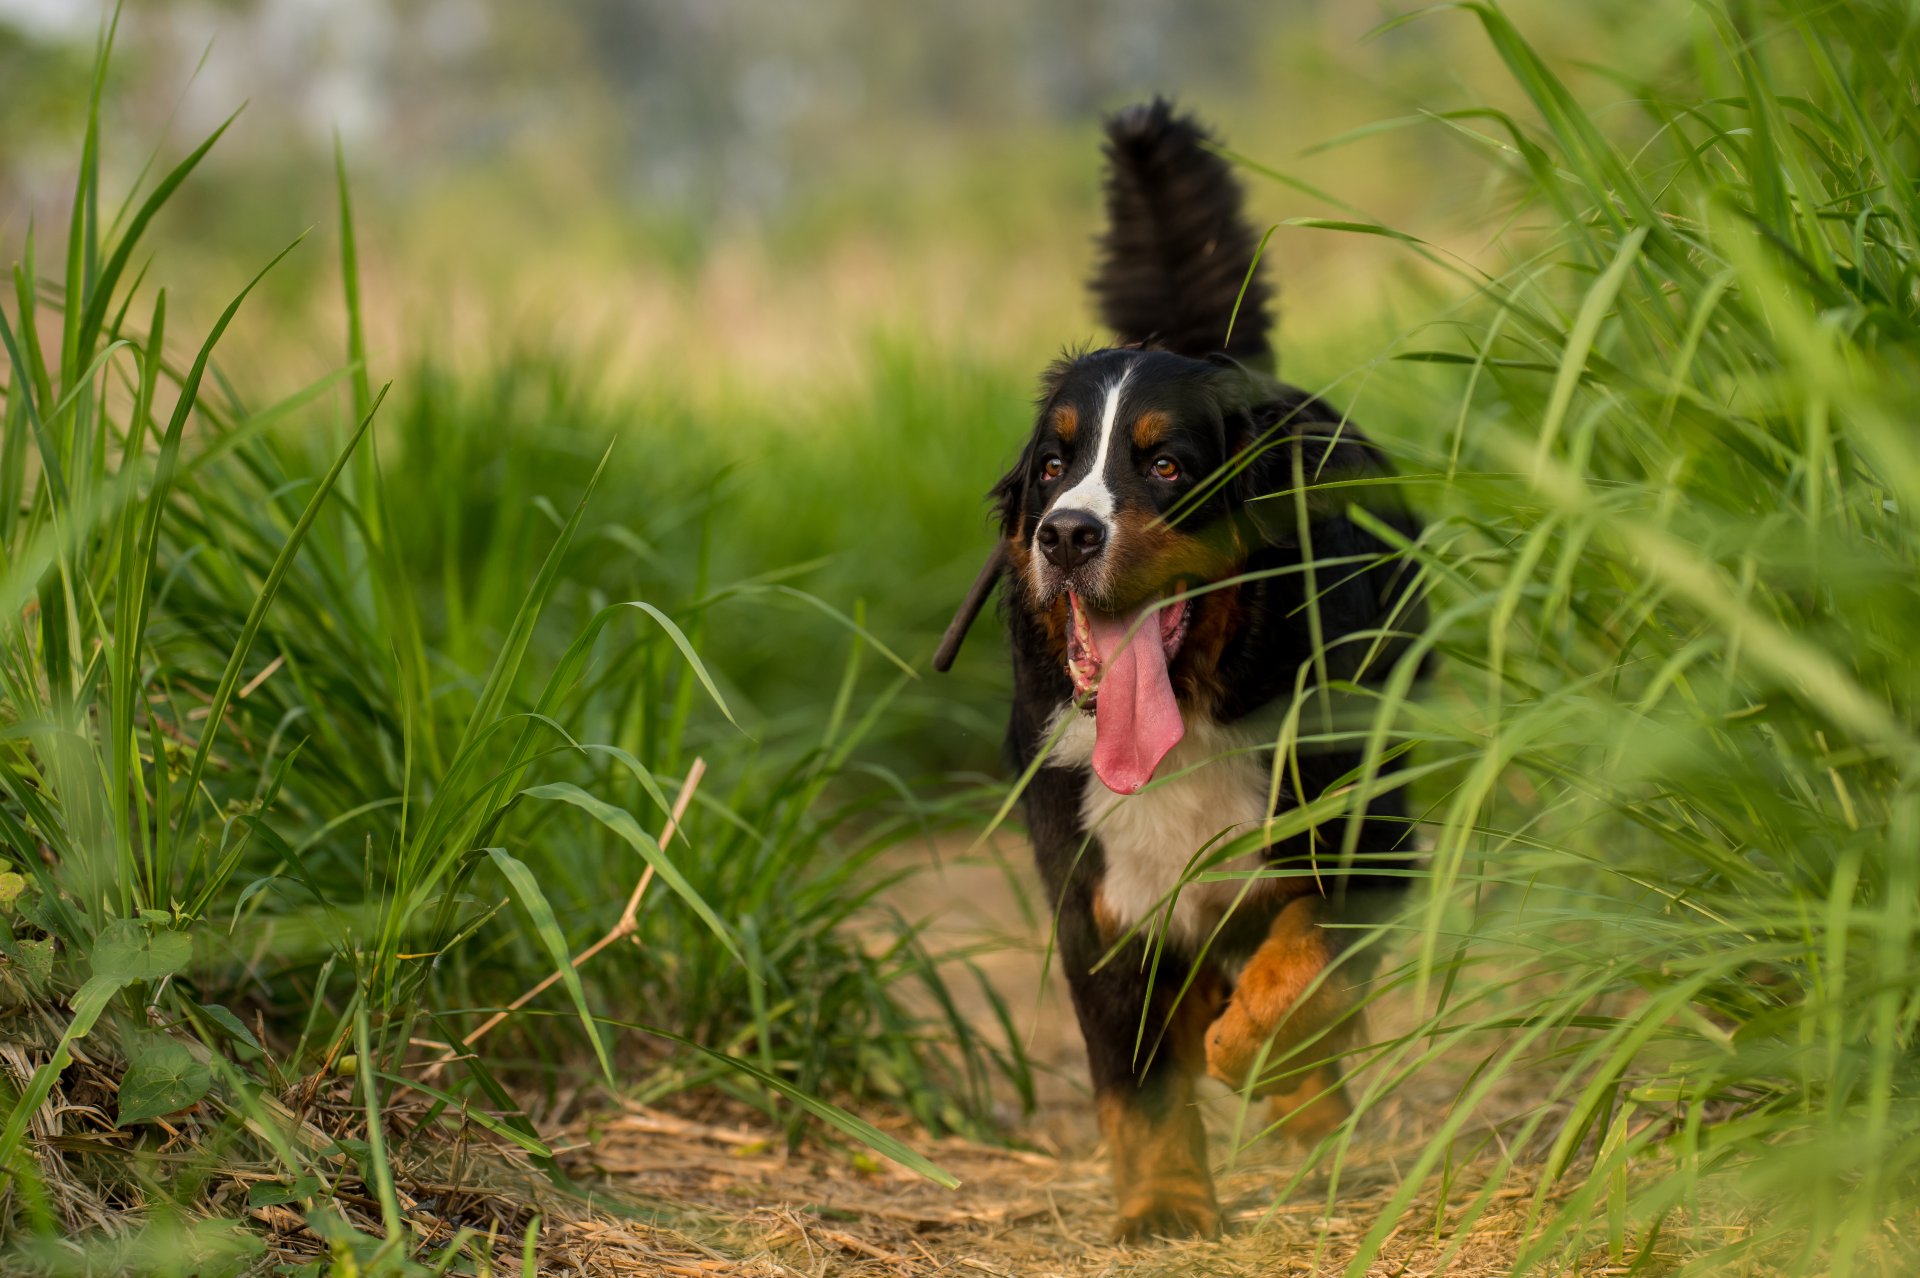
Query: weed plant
x=357 y=741
x=1668 y=457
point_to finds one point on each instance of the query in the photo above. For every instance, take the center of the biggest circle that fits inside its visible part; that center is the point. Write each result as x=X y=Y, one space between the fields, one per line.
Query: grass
x=1672 y=564
x=276 y=731
x=331 y=723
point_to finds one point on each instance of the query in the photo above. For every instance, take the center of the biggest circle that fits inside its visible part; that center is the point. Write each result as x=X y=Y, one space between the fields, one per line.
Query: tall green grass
x=362 y=738
x=1669 y=458
x=348 y=724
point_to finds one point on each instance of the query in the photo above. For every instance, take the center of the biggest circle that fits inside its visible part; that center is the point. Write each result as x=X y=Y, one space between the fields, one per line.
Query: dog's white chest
x=1212 y=789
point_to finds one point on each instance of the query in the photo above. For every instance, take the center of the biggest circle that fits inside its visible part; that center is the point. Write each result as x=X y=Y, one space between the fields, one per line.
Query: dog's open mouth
x=1122 y=658
x=1095 y=635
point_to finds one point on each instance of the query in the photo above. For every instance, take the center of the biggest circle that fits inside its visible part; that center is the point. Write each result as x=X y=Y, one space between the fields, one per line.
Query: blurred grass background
x=1642 y=329
x=796 y=248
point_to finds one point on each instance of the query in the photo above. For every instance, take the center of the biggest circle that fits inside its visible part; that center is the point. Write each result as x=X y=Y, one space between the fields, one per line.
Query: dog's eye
x=1166 y=468
x=1052 y=467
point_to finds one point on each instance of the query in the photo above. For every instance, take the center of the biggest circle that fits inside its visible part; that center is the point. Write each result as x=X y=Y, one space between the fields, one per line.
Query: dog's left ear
x=1280 y=440
x=1294 y=443
x=1261 y=454
x=1008 y=497
x=1258 y=438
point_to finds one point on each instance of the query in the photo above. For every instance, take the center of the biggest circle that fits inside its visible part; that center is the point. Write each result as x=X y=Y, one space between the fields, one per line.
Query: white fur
x=1092 y=493
x=1150 y=838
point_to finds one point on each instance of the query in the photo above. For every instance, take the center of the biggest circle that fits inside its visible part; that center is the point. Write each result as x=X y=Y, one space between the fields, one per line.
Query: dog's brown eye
x=1166 y=468
x=1052 y=468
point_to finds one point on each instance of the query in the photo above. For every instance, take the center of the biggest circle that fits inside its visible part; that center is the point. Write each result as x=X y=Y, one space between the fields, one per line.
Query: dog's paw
x=1170 y=1214
x=1233 y=1047
x=1282 y=998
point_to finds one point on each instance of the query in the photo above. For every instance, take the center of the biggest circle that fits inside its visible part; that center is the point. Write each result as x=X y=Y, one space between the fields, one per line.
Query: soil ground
x=728 y=1199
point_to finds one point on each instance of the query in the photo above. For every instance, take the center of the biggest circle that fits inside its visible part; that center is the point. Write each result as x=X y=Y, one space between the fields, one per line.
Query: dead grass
x=711 y=1188
x=1030 y=1214
x=724 y=1176
x=717 y=1192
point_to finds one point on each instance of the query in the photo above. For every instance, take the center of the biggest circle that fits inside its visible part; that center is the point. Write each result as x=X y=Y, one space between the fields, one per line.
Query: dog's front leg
x=1143 y=1044
x=1280 y=1003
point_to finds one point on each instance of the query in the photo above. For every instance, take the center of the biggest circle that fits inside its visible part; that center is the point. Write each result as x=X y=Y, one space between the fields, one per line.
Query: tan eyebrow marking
x=1066 y=422
x=1150 y=427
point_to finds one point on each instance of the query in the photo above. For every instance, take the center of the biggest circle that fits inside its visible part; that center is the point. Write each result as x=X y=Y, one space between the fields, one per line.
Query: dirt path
x=732 y=1201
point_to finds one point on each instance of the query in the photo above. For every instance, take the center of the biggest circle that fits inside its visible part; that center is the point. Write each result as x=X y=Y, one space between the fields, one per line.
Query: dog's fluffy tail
x=1177 y=247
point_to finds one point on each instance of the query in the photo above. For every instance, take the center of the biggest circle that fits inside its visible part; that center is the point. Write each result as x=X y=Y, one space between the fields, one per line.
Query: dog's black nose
x=1068 y=538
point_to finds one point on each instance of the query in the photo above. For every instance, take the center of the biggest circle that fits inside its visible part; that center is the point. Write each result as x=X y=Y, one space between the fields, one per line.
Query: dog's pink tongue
x=1136 y=720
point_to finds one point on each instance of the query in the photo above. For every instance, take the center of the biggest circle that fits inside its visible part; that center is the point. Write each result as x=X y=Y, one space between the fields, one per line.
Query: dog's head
x=1127 y=498
x=1148 y=484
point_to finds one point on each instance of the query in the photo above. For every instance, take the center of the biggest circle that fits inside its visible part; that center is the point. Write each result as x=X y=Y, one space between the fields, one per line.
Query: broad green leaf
x=274 y=1193
x=161 y=1077
x=126 y=952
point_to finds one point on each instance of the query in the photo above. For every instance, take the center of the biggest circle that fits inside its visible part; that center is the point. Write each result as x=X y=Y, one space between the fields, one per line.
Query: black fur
x=1177 y=248
x=1176 y=253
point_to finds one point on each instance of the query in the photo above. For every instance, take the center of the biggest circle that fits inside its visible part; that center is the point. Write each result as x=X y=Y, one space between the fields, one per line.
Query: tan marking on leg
x=1105 y=922
x=1160 y=1161
x=1271 y=1000
x=1160 y=1175
x=1313 y=1109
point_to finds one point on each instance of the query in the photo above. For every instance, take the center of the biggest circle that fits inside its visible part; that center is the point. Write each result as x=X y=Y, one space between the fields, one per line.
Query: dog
x=1197 y=555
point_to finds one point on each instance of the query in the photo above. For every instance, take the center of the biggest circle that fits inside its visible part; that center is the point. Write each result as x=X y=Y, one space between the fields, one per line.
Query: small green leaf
x=11 y=886
x=126 y=951
x=35 y=961
x=231 y=1024
x=273 y=1193
x=163 y=1077
x=268 y=1193
x=347 y=1147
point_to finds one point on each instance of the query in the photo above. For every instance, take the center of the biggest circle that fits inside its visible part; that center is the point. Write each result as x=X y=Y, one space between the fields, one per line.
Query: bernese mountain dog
x=1198 y=573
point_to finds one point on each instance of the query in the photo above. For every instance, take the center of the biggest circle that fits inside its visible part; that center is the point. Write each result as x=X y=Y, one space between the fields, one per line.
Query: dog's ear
x=1283 y=445
x=1296 y=445
x=1262 y=450
x=1008 y=499
x=1008 y=496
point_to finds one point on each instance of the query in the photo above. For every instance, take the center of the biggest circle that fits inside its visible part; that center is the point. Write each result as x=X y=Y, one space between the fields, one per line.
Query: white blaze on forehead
x=1091 y=493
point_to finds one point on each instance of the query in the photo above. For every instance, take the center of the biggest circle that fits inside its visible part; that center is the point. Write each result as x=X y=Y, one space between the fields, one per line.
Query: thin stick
x=970 y=608
x=629 y=920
